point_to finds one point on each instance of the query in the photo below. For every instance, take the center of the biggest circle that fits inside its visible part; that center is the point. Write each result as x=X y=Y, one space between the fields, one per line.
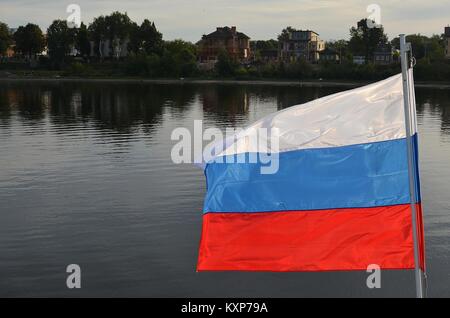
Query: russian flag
x=340 y=199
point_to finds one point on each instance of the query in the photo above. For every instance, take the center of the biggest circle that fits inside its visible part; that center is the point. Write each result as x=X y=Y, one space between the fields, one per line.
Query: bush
x=78 y=69
x=298 y=70
x=225 y=65
x=438 y=71
x=241 y=73
x=143 y=65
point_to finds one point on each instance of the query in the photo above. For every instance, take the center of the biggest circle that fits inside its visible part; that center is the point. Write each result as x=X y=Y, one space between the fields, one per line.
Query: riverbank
x=201 y=81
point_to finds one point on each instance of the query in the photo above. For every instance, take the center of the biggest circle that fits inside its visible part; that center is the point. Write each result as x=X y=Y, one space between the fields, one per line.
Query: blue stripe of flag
x=355 y=176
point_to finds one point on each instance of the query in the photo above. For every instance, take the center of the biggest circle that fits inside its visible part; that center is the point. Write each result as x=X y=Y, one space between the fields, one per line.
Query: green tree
x=436 y=48
x=135 y=45
x=180 y=56
x=150 y=37
x=118 y=25
x=300 y=69
x=341 y=47
x=364 y=40
x=60 y=40
x=225 y=65
x=29 y=40
x=5 y=38
x=98 y=32
x=82 y=43
x=423 y=47
x=179 y=45
x=285 y=33
x=262 y=45
x=115 y=28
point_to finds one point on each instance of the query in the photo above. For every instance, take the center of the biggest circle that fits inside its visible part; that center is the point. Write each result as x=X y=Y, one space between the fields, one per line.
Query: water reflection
x=127 y=108
x=86 y=176
x=435 y=102
x=123 y=108
x=224 y=102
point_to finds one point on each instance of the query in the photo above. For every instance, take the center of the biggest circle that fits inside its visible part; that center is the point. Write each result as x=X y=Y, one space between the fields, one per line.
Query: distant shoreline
x=306 y=83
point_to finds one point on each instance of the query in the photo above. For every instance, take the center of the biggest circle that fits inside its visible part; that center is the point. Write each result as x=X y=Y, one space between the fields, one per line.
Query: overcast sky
x=259 y=19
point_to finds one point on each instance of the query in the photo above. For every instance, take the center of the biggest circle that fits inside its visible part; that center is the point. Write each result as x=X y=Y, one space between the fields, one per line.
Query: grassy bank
x=54 y=76
x=147 y=68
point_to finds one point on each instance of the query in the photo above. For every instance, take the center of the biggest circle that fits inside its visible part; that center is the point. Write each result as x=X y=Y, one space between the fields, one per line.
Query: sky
x=259 y=19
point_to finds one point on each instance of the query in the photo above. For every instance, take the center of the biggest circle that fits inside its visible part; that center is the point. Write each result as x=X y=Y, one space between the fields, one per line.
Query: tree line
x=140 y=48
x=115 y=45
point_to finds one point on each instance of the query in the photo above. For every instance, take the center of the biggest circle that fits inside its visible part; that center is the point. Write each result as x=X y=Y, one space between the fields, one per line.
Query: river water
x=86 y=178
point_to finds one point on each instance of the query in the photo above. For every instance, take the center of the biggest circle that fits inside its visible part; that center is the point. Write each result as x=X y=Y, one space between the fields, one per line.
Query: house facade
x=383 y=54
x=117 y=48
x=264 y=56
x=359 y=59
x=11 y=51
x=447 y=42
x=329 y=55
x=228 y=39
x=300 y=44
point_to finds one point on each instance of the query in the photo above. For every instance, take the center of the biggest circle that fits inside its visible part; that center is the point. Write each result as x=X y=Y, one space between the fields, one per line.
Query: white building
x=302 y=45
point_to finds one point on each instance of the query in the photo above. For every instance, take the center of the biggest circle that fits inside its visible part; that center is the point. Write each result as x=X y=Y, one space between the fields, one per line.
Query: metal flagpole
x=405 y=49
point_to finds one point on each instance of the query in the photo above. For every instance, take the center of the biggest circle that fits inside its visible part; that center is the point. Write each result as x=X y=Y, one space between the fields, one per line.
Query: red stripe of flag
x=320 y=240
